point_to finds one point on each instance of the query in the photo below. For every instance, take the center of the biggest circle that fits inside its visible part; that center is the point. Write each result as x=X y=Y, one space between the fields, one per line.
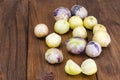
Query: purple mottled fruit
x=93 y=49
x=62 y=13
x=76 y=45
x=54 y=55
x=94 y=44
x=80 y=11
x=74 y=9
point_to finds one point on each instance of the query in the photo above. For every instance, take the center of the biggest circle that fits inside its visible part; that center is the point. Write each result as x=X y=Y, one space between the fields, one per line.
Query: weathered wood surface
x=13 y=39
x=22 y=54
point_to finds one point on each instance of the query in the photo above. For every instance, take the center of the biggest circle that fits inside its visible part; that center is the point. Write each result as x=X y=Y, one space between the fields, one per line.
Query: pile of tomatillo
x=79 y=22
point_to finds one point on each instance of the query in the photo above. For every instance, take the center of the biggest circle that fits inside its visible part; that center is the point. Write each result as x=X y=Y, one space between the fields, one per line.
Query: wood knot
x=48 y=76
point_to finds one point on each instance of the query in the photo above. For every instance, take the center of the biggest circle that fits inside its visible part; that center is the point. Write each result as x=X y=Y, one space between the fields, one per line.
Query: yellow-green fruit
x=79 y=32
x=102 y=37
x=99 y=27
x=89 y=67
x=75 y=21
x=72 y=68
x=89 y=22
x=61 y=26
x=53 y=40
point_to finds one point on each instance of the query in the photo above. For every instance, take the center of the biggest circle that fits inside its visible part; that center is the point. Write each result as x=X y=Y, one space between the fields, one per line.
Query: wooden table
x=22 y=54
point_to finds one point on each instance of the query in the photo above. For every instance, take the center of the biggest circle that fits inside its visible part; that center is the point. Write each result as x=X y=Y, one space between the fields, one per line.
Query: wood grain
x=38 y=68
x=22 y=54
x=42 y=12
x=13 y=39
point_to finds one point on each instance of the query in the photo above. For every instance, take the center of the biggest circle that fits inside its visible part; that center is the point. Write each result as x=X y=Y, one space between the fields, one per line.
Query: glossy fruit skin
x=72 y=68
x=53 y=40
x=79 y=32
x=93 y=49
x=62 y=13
x=78 y=10
x=99 y=27
x=89 y=67
x=61 y=27
x=102 y=37
x=90 y=22
x=76 y=45
x=53 y=56
x=75 y=21
x=40 y=30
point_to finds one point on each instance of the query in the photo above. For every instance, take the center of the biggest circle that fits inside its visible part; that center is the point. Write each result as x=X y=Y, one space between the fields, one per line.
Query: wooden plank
x=41 y=11
x=107 y=13
x=13 y=39
x=109 y=61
